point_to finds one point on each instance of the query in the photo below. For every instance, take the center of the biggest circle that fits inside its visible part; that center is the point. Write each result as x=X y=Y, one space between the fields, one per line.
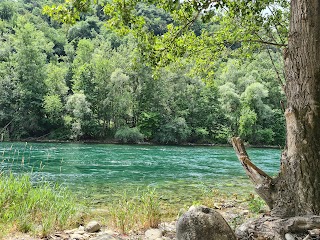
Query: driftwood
x=262 y=181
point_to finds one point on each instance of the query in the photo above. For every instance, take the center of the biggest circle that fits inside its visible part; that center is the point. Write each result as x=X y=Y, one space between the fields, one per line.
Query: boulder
x=203 y=223
x=92 y=226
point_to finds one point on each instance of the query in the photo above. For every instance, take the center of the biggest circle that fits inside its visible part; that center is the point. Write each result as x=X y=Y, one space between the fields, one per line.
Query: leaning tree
x=294 y=195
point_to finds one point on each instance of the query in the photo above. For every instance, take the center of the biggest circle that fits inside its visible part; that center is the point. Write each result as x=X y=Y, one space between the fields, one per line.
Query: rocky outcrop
x=203 y=223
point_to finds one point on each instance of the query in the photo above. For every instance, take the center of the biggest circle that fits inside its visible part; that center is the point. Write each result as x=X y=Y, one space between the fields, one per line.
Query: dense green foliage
x=128 y=135
x=89 y=81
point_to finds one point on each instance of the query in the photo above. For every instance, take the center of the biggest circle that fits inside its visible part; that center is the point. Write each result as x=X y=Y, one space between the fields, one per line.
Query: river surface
x=104 y=170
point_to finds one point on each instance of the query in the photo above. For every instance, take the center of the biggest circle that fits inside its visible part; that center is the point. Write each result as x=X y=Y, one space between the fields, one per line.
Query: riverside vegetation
x=88 y=82
x=38 y=209
x=42 y=209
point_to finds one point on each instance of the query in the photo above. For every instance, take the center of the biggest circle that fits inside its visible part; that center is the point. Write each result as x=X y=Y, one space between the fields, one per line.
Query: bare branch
x=261 y=180
x=275 y=68
x=267 y=43
x=275 y=25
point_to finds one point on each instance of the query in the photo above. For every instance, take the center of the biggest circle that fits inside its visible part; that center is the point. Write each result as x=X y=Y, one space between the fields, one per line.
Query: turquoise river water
x=104 y=170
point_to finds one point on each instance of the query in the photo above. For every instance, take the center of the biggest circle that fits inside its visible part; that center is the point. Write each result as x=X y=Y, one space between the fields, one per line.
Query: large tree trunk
x=296 y=190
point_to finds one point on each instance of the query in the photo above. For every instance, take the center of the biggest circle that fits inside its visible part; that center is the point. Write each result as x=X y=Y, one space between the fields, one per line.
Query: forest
x=86 y=81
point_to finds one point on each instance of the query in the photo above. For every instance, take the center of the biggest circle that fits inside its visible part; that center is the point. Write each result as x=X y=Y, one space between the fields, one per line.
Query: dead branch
x=261 y=180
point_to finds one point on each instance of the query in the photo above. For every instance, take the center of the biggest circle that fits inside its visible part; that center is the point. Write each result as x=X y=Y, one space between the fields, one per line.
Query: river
x=106 y=170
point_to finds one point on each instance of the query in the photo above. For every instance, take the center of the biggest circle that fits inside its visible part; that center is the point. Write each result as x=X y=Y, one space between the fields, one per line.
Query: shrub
x=129 y=135
x=265 y=136
x=174 y=132
x=199 y=135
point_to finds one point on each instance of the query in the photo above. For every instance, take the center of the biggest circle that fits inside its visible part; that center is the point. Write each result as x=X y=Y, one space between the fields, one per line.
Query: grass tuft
x=37 y=209
x=140 y=211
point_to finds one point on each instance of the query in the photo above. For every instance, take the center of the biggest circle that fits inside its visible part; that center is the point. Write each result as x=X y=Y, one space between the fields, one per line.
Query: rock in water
x=92 y=226
x=203 y=223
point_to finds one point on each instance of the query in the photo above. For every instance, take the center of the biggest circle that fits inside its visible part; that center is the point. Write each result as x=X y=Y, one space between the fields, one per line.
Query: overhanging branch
x=179 y=32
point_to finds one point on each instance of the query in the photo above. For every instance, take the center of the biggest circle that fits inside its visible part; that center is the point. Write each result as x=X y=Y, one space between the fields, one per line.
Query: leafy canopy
x=246 y=22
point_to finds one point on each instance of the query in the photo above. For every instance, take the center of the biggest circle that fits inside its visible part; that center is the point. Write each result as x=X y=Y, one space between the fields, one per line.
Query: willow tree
x=296 y=189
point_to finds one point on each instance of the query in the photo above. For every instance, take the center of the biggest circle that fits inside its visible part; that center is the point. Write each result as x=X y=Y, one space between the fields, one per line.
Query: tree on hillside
x=29 y=60
x=295 y=191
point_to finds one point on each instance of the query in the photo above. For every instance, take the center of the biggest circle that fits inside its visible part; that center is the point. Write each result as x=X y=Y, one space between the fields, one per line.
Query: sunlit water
x=106 y=170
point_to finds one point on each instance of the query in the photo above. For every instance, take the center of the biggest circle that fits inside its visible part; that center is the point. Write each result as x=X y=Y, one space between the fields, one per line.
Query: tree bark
x=297 y=187
x=296 y=190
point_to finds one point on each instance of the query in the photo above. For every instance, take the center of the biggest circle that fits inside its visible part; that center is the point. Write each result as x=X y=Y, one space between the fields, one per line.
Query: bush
x=129 y=135
x=174 y=132
x=199 y=135
x=265 y=136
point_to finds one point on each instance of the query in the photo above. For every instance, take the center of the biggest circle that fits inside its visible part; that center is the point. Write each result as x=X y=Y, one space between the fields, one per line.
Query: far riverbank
x=113 y=141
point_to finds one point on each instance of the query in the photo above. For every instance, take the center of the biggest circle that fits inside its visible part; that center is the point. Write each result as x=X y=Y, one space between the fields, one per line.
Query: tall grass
x=37 y=209
x=139 y=211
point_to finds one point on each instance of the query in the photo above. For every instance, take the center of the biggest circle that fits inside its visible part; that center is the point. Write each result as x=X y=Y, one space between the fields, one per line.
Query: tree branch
x=260 y=41
x=275 y=25
x=261 y=180
x=177 y=34
x=4 y=128
x=275 y=68
x=267 y=43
